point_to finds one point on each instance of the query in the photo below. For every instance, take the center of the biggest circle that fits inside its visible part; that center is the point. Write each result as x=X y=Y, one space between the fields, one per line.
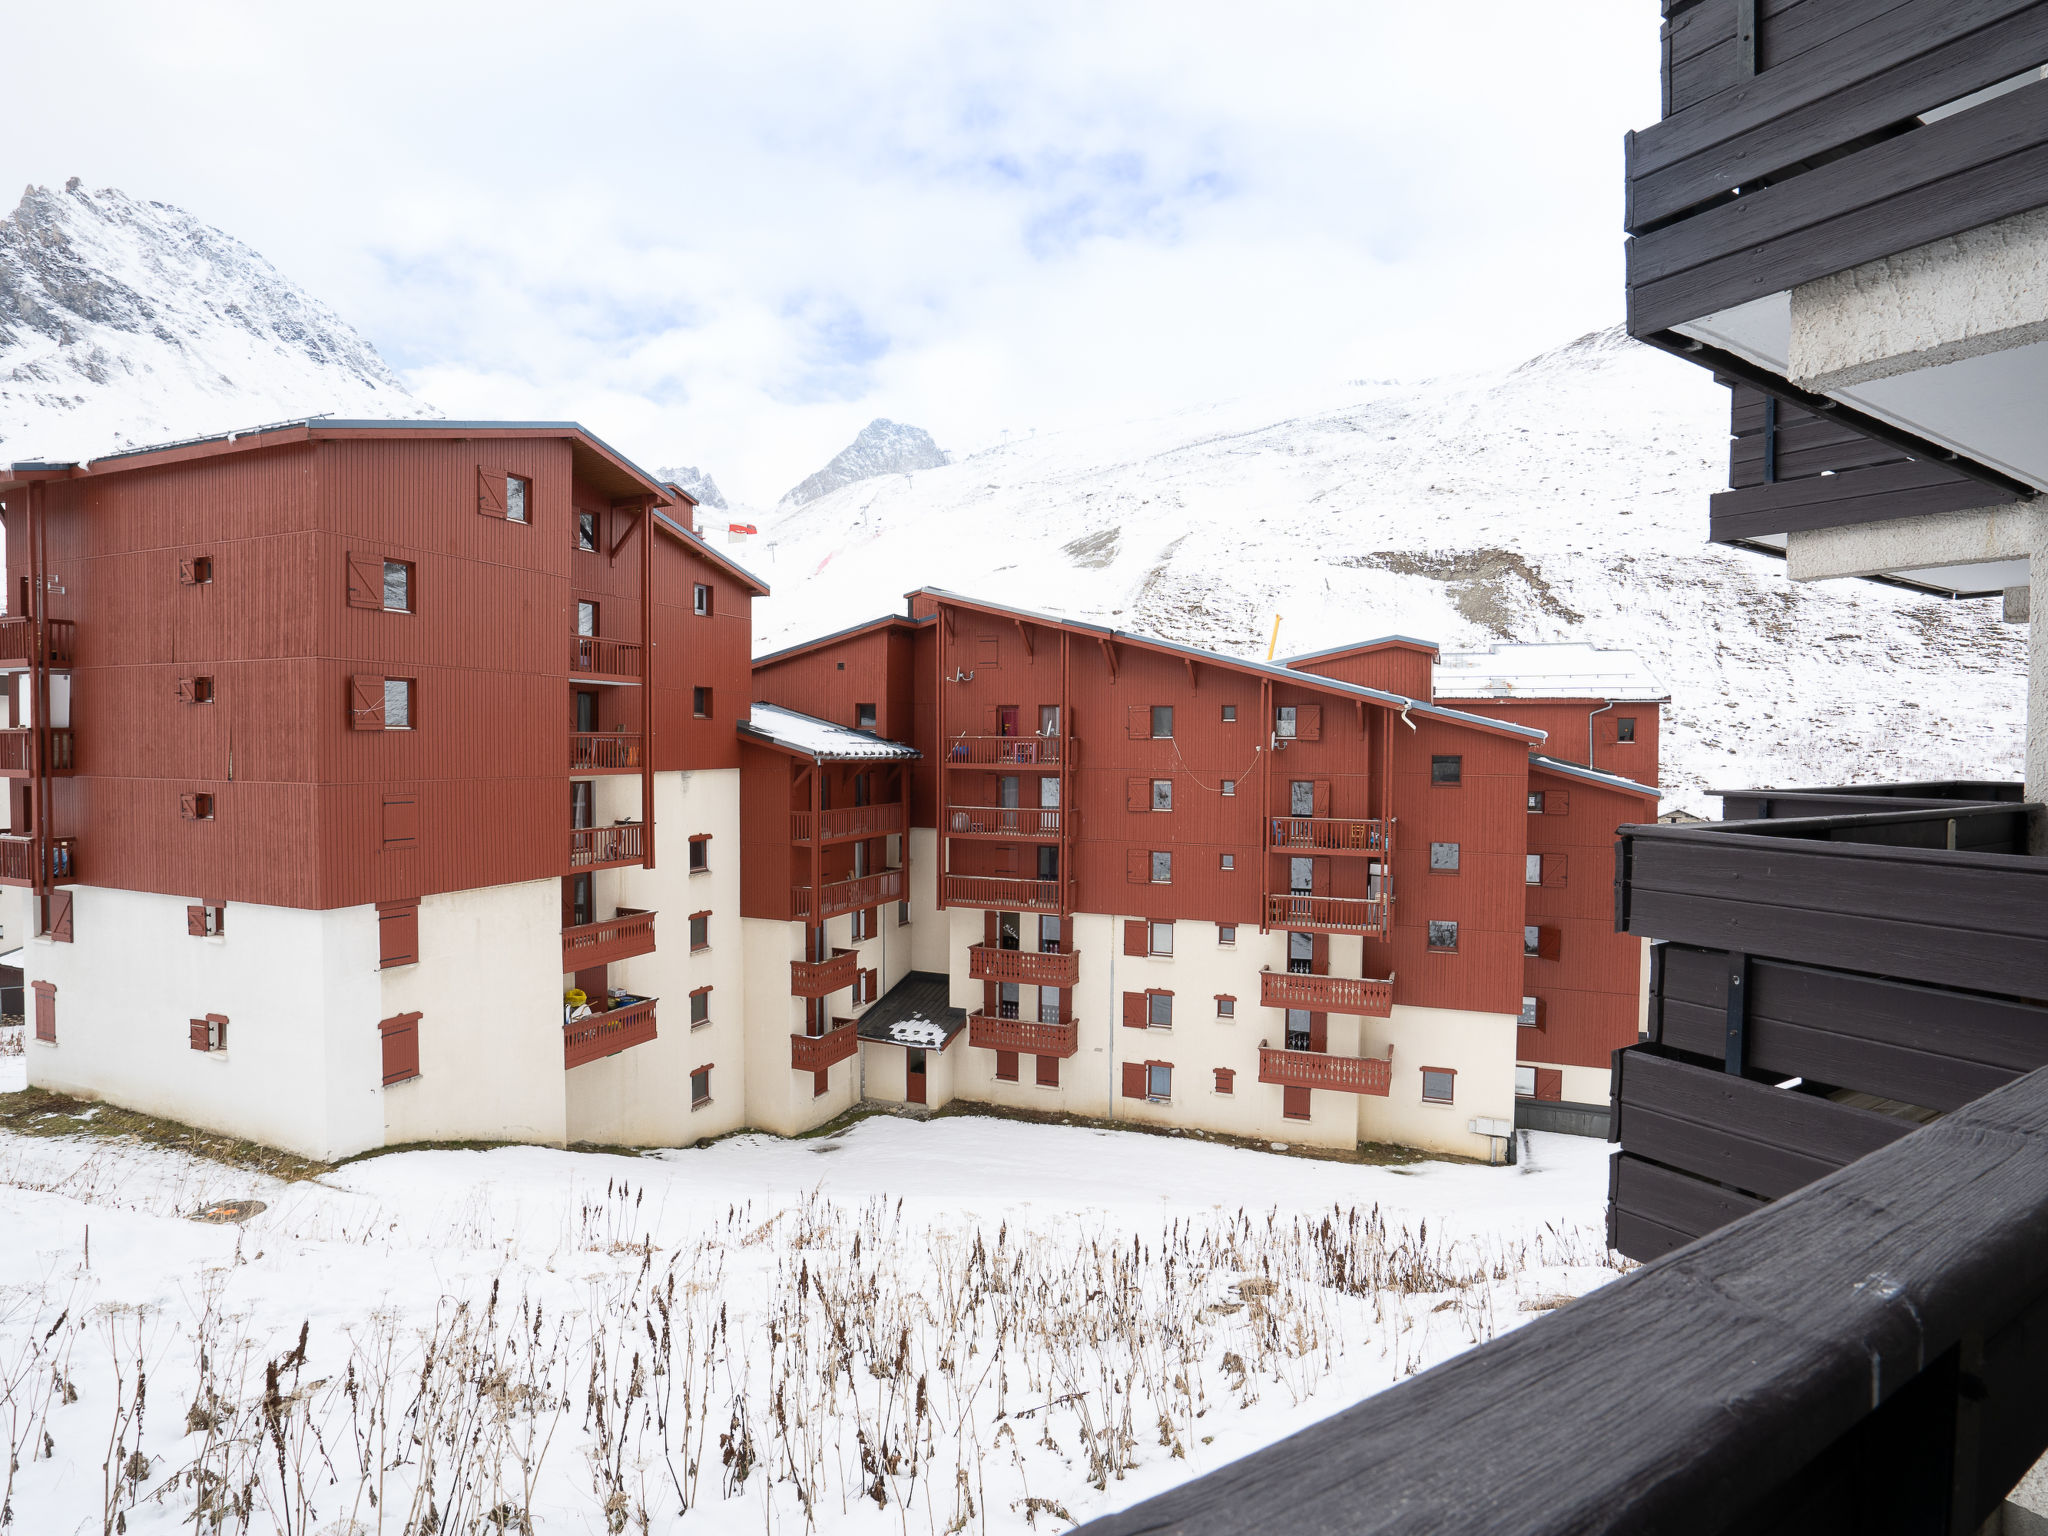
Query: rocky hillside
x=695 y=482
x=884 y=447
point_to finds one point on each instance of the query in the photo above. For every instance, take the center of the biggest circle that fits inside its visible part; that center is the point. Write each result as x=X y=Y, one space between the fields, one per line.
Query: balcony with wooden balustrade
x=1007 y=751
x=607 y=847
x=1027 y=1037
x=598 y=1035
x=18 y=860
x=1036 y=823
x=596 y=660
x=1315 y=1069
x=17 y=642
x=814 y=902
x=814 y=1053
x=1325 y=834
x=1006 y=893
x=1327 y=994
x=594 y=752
x=621 y=937
x=821 y=978
x=987 y=962
x=846 y=822
x=17 y=751
x=1328 y=914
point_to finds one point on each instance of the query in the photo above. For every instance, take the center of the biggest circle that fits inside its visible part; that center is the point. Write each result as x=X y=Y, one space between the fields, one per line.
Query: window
x=397 y=587
x=1531 y=1011
x=1048 y=1072
x=700 y=1088
x=1285 y=722
x=700 y=853
x=700 y=703
x=1300 y=1030
x=517 y=492
x=1525 y=1082
x=862 y=925
x=1447 y=770
x=903 y=915
x=1049 y=863
x=1162 y=721
x=586 y=618
x=1158 y=1081
x=1006 y=1066
x=210 y=1033
x=196 y=807
x=1226 y=1007
x=401 y=1038
x=1541 y=943
x=1229 y=713
x=1535 y=802
x=195 y=690
x=1162 y=868
x=207 y=920
x=1229 y=861
x=1532 y=869
x=1230 y=786
x=1437 y=1084
x=1226 y=1080
x=1162 y=794
x=1444 y=857
x=1531 y=938
x=586 y=531
x=195 y=570
x=864 y=717
x=398 y=933
x=700 y=930
x=1226 y=934
x=1048 y=719
x=700 y=1008
x=397 y=703
x=700 y=598
x=1443 y=936
x=1625 y=728
x=1162 y=939
x=1159 y=1010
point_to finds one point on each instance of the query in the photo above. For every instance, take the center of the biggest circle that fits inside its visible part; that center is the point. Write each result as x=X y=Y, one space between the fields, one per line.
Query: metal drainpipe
x=1589 y=729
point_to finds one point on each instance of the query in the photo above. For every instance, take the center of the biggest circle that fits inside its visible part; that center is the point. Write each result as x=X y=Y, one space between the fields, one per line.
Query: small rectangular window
x=1048 y=719
x=902 y=914
x=196 y=807
x=700 y=703
x=1226 y=1080
x=397 y=587
x=1531 y=937
x=1159 y=1009
x=1162 y=794
x=1438 y=1084
x=700 y=1088
x=1535 y=802
x=1447 y=770
x=586 y=618
x=1226 y=1007
x=864 y=717
x=700 y=930
x=586 y=532
x=207 y=920
x=1229 y=713
x=1162 y=868
x=1158 y=1081
x=517 y=489
x=1226 y=934
x=700 y=599
x=1162 y=721
x=1229 y=861
x=1529 y=1013
x=210 y=1033
x=1285 y=722
x=1443 y=936
x=195 y=570
x=1444 y=856
x=1230 y=786
x=195 y=690
x=397 y=703
x=1525 y=1082
x=1532 y=869
x=1625 y=728
x=700 y=1007
x=1162 y=938
x=700 y=853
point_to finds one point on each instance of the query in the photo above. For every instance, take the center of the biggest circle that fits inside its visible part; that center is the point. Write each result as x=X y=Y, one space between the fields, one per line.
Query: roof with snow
x=821 y=740
x=1356 y=647
x=1593 y=775
x=886 y=621
x=1565 y=670
x=915 y=1012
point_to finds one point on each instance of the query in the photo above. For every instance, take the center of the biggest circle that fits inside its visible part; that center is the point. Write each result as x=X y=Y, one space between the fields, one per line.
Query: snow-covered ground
x=963 y=1324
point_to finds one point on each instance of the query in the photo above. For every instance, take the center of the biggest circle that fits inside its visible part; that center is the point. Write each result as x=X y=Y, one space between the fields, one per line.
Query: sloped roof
x=700 y=545
x=821 y=740
x=915 y=1012
x=1563 y=670
x=1593 y=776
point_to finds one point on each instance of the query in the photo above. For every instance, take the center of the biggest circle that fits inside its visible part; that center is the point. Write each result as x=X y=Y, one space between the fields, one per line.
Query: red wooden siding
x=1566 y=721
x=1405 y=667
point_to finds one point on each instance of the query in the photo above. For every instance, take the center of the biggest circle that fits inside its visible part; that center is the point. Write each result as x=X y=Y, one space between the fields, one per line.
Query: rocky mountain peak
x=883 y=447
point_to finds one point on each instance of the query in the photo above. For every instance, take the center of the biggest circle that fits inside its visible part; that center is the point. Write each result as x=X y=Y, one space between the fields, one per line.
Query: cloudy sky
x=729 y=235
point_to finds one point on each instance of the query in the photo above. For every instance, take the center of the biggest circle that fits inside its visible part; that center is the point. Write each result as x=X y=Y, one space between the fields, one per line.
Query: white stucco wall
x=780 y=1098
x=930 y=928
x=1586 y=1085
x=1479 y=1047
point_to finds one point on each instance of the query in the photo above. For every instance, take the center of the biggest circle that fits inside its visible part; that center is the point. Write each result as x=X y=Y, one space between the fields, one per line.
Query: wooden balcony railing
x=1026 y=1036
x=814 y=1053
x=604 y=751
x=1005 y=893
x=846 y=895
x=1328 y=914
x=17 y=747
x=606 y=1034
x=1326 y=834
x=18 y=860
x=1036 y=822
x=620 y=938
x=848 y=821
x=820 y=978
x=1020 y=751
x=17 y=638
x=1315 y=1069
x=607 y=847
x=1326 y=994
x=605 y=658
x=988 y=963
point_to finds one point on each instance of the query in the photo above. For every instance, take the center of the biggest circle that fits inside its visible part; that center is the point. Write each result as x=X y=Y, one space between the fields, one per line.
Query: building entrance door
x=913 y=1075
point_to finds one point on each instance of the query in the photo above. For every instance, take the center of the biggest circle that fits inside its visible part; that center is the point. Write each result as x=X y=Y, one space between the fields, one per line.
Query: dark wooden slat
x=1674 y=1200
x=1754 y=512
x=1684 y=1398
x=1909 y=60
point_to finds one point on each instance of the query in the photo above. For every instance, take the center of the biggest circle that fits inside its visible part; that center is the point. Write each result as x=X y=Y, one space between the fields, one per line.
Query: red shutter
x=1137 y=941
x=1048 y=1071
x=46 y=1009
x=401 y=1047
x=1549 y=1083
x=1134 y=1079
x=1134 y=1010
x=1226 y=1080
x=1319 y=954
x=1553 y=869
x=1140 y=726
x=1557 y=802
x=195 y=922
x=1547 y=943
x=188 y=570
x=198 y=1036
x=991 y=724
x=490 y=491
x=365 y=581
x=1138 y=867
x=398 y=933
x=187 y=694
x=1308 y=723
x=1320 y=804
x=188 y=807
x=401 y=827
x=1138 y=795
x=1006 y=1066
x=60 y=916
x=366 y=703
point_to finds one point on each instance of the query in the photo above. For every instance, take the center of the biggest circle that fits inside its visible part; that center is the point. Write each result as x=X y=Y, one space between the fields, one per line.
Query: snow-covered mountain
x=884 y=447
x=124 y=323
x=697 y=483
x=1565 y=499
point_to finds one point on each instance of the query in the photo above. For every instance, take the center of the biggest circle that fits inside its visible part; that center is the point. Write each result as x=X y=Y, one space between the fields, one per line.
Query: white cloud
x=730 y=235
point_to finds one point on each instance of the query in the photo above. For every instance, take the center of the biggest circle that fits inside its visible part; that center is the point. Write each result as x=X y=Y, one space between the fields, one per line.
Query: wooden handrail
x=1025 y=1036
x=1316 y=1069
x=1331 y=834
x=590 y=846
x=17 y=745
x=600 y=751
x=616 y=938
x=599 y=1035
x=814 y=1053
x=846 y=895
x=1006 y=893
x=1327 y=994
x=821 y=978
x=18 y=860
x=610 y=658
x=848 y=821
x=986 y=962
x=1017 y=751
x=1336 y=914
x=1033 y=821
